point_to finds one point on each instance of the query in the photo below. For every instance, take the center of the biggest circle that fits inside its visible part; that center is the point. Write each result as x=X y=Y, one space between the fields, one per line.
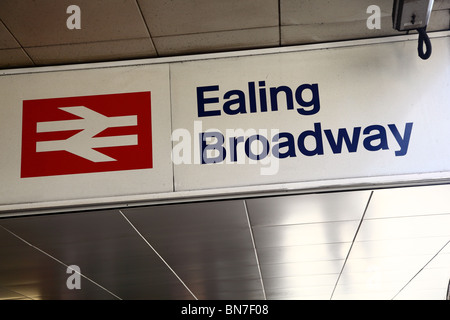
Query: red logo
x=86 y=134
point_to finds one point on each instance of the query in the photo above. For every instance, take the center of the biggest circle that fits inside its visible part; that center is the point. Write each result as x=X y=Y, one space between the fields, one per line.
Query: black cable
x=423 y=38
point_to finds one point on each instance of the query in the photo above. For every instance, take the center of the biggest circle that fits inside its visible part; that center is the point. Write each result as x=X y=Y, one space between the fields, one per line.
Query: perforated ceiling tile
x=42 y=23
x=217 y=41
x=14 y=58
x=166 y=18
x=309 y=12
x=413 y=201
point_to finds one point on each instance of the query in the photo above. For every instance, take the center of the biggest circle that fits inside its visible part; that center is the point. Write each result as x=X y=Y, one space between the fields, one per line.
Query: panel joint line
x=254 y=248
x=156 y=252
x=410 y=280
x=351 y=246
x=59 y=261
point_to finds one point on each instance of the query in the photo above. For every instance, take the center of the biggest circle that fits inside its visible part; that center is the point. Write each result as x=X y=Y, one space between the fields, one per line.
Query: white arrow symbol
x=83 y=143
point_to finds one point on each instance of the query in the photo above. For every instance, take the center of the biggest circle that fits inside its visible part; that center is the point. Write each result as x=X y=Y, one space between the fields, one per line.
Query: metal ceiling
x=34 y=33
x=369 y=244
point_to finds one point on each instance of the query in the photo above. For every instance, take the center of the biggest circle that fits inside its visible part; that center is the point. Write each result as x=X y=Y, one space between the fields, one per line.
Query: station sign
x=211 y=124
x=351 y=112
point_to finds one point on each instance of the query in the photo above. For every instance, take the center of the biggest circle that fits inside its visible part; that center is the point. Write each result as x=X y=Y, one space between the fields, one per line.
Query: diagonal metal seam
x=21 y=294
x=351 y=246
x=147 y=27
x=254 y=249
x=159 y=256
x=421 y=269
x=59 y=261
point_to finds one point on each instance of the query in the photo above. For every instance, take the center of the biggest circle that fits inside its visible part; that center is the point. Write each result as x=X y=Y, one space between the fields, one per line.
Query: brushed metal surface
x=225 y=250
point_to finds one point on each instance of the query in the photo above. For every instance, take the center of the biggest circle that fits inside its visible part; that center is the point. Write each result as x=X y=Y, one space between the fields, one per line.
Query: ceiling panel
x=206 y=250
x=294 y=12
x=402 y=232
x=7 y=40
x=333 y=31
x=439 y=19
x=323 y=21
x=431 y=282
x=134 y=29
x=395 y=247
x=303 y=241
x=302 y=293
x=404 y=202
x=217 y=41
x=303 y=209
x=405 y=227
x=293 y=254
x=92 y=51
x=41 y=23
x=11 y=53
x=212 y=246
x=304 y=234
x=106 y=249
x=180 y=17
x=14 y=57
x=26 y=273
x=303 y=268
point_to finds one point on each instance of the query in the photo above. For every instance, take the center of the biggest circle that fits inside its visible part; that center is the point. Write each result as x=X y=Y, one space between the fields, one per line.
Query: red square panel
x=86 y=134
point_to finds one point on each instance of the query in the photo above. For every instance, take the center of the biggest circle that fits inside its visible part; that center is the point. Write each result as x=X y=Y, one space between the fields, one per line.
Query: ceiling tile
x=14 y=58
x=375 y=282
x=407 y=227
x=441 y=4
x=94 y=241
x=7 y=294
x=217 y=41
x=312 y=280
x=292 y=254
x=92 y=52
x=304 y=234
x=202 y=16
x=26 y=273
x=205 y=243
x=248 y=288
x=439 y=20
x=336 y=31
x=411 y=201
x=410 y=264
x=7 y=41
x=431 y=283
x=322 y=21
x=301 y=293
x=390 y=252
x=306 y=12
x=422 y=294
x=397 y=247
x=301 y=268
x=39 y=23
x=307 y=208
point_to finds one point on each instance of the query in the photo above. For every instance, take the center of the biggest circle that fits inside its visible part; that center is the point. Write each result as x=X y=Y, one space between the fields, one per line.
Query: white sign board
x=175 y=128
x=350 y=112
x=85 y=134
